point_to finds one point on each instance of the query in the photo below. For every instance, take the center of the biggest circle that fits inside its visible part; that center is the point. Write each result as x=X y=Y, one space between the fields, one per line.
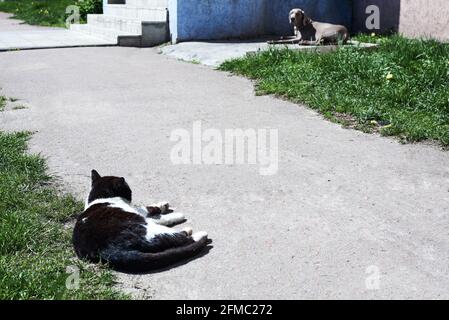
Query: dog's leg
x=293 y=40
x=309 y=42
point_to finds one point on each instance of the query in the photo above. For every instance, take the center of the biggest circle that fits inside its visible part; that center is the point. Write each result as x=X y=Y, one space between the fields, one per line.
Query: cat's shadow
x=180 y=263
x=203 y=252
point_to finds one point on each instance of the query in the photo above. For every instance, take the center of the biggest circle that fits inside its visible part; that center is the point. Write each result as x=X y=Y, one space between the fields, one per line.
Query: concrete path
x=214 y=53
x=348 y=215
x=15 y=35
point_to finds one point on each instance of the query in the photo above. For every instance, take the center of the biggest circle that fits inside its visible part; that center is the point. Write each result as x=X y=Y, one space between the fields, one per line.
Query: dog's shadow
x=244 y=40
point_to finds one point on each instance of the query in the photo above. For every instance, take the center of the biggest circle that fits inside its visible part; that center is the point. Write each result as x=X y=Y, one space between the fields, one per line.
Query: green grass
x=35 y=246
x=38 y=12
x=400 y=89
x=47 y=12
x=3 y=100
x=19 y=107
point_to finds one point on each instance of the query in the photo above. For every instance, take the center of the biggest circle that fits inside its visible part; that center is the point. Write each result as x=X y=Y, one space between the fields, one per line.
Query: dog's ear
x=292 y=14
x=305 y=19
x=95 y=176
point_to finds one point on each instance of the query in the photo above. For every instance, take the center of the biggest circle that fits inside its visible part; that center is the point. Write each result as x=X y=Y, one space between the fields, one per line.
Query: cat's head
x=108 y=187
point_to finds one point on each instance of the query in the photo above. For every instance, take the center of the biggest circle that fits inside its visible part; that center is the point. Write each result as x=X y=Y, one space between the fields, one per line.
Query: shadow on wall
x=227 y=19
x=389 y=14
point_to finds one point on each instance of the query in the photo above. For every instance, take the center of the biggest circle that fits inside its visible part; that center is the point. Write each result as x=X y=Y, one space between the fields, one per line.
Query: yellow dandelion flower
x=390 y=76
x=373 y=34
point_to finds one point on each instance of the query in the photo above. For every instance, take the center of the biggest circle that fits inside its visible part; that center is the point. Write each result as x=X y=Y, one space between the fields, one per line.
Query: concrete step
x=147 y=3
x=128 y=25
x=151 y=34
x=104 y=33
x=143 y=14
x=140 y=23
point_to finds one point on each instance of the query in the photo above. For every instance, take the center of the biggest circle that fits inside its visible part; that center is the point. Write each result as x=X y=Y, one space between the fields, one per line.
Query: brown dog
x=309 y=32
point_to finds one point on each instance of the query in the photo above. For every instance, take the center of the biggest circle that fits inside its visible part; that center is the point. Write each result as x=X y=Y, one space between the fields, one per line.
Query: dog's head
x=298 y=18
x=108 y=187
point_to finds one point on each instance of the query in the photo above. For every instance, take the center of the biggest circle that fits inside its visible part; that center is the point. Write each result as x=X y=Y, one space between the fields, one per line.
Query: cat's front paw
x=164 y=206
x=172 y=218
x=159 y=208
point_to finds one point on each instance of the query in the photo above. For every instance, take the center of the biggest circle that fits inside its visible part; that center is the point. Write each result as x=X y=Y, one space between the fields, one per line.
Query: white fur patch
x=154 y=229
x=171 y=218
x=199 y=235
x=116 y=202
x=143 y=211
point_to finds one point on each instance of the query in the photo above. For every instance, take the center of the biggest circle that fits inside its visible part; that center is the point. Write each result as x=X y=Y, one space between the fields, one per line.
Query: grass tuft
x=400 y=89
x=35 y=247
x=19 y=107
x=3 y=101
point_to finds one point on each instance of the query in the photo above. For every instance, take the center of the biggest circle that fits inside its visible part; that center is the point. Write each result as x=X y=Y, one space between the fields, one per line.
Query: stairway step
x=153 y=33
x=128 y=25
x=139 y=23
x=143 y=14
x=104 y=33
x=147 y=3
x=130 y=41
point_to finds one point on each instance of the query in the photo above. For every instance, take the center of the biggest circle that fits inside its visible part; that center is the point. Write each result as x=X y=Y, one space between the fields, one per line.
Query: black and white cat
x=130 y=239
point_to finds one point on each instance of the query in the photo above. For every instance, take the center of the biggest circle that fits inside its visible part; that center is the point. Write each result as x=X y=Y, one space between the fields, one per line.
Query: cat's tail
x=135 y=261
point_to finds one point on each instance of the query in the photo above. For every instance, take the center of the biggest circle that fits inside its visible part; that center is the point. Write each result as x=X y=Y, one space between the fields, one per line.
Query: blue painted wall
x=224 y=19
x=215 y=19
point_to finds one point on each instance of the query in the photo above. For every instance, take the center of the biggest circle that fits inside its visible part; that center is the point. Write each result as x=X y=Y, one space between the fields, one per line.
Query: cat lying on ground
x=131 y=239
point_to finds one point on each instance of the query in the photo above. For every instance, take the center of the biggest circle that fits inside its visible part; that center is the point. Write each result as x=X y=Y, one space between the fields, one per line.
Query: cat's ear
x=119 y=182
x=95 y=176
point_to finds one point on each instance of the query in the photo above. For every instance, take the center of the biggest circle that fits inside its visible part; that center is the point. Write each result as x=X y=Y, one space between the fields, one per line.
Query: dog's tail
x=135 y=261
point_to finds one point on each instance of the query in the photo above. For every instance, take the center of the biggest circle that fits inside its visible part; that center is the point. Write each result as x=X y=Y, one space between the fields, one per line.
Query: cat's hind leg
x=181 y=238
x=160 y=238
